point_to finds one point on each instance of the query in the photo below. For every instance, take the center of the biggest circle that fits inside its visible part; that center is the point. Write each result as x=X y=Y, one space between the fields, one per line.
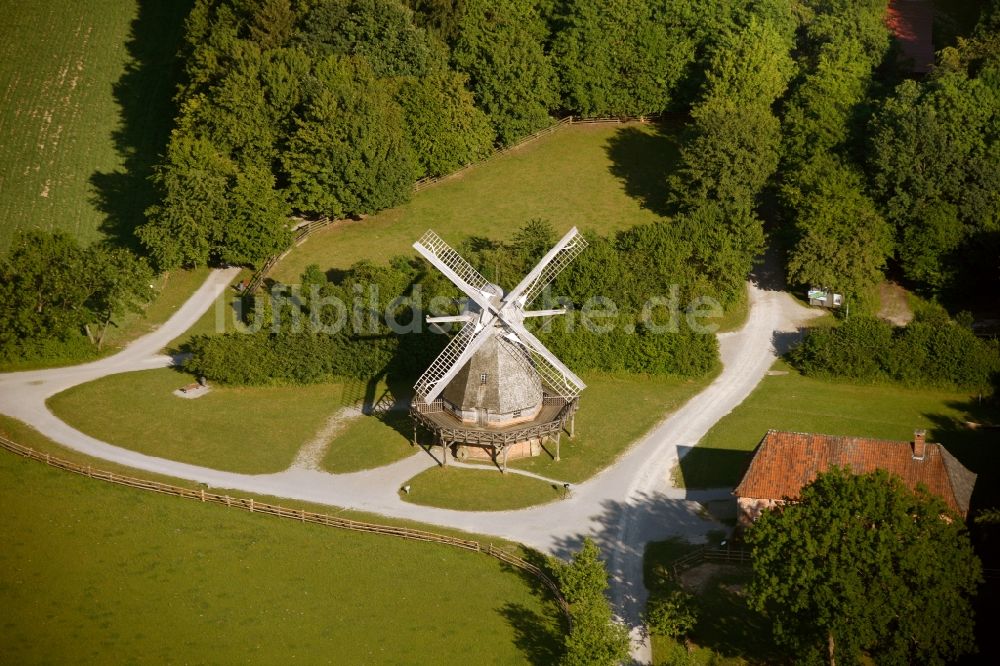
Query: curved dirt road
x=622 y=508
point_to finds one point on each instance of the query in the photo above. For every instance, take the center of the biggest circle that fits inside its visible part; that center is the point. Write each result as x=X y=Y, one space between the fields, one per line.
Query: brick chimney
x=919 y=444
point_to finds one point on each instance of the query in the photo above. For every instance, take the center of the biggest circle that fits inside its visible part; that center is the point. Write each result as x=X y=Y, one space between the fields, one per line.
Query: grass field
x=635 y=404
x=597 y=177
x=85 y=92
x=369 y=441
x=615 y=411
x=479 y=490
x=250 y=430
x=802 y=404
x=24 y=434
x=94 y=573
x=259 y=430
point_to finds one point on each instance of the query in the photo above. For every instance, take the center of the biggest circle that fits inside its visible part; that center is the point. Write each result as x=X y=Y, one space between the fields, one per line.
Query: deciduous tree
x=501 y=47
x=594 y=638
x=861 y=564
x=348 y=154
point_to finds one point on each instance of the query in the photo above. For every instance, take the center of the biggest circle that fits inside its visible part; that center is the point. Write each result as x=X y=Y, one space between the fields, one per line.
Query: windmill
x=495 y=388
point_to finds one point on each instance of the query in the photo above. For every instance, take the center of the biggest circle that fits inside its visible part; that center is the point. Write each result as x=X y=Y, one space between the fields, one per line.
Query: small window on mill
x=482 y=378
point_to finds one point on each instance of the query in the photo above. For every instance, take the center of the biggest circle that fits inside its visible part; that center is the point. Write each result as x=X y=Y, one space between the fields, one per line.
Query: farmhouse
x=784 y=462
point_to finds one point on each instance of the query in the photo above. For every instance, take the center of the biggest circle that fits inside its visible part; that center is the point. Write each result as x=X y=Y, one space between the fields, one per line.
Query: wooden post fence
x=300 y=515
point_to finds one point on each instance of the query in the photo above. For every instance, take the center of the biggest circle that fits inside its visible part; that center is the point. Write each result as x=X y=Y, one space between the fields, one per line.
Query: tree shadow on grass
x=539 y=636
x=727 y=625
x=642 y=160
x=144 y=95
x=534 y=634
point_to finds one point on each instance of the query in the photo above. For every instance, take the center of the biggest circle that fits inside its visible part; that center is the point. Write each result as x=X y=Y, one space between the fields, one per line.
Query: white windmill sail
x=548 y=268
x=509 y=313
x=435 y=250
x=456 y=353
x=560 y=379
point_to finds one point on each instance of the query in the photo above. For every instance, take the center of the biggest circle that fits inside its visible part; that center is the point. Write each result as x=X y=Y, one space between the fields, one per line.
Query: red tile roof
x=785 y=461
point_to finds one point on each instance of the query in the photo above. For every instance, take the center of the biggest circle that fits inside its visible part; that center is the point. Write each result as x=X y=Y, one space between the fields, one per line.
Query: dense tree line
x=328 y=108
x=877 y=171
x=840 y=238
x=731 y=150
x=335 y=107
x=935 y=163
x=639 y=325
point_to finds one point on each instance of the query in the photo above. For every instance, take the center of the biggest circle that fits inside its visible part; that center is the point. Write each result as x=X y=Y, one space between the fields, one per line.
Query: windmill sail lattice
x=551 y=265
x=496 y=314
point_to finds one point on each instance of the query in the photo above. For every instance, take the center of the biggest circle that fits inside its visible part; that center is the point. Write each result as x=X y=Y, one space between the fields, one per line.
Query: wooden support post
x=505 y=449
x=444 y=451
x=572 y=425
x=414 y=434
x=558 y=436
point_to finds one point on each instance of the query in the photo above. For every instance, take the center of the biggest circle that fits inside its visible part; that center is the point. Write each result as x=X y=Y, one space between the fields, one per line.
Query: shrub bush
x=932 y=351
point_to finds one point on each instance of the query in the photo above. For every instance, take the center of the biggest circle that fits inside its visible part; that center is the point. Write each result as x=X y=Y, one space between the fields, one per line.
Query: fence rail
x=253 y=506
x=706 y=554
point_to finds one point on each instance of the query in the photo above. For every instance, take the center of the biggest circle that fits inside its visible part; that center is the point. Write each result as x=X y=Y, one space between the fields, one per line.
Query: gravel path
x=622 y=507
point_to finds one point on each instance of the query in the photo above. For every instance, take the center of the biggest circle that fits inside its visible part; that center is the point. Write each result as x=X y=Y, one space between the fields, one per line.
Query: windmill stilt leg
x=572 y=425
x=558 y=436
x=504 y=470
x=444 y=452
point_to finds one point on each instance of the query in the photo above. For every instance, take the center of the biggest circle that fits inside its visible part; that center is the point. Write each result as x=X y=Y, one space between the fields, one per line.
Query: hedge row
x=931 y=351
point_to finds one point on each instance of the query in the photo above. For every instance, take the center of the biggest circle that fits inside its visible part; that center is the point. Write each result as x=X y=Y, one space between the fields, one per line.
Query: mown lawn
x=369 y=441
x=802 y=404
x=254 y=430
x=597 y=177
x=615 y=411
x=85 y=107
x=95 y=573
x=478 y=489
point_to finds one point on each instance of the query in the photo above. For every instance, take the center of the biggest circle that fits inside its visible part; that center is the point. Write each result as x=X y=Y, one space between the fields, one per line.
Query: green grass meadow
x=597 y=177
x=802 y=404
x=86 y=106
x=615 y=411
x=369 y=441
x=478 y=489
x=254 y=430
x=95 y=573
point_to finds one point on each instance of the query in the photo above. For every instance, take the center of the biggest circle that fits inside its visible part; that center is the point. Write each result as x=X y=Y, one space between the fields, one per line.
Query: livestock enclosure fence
x=301 y=515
